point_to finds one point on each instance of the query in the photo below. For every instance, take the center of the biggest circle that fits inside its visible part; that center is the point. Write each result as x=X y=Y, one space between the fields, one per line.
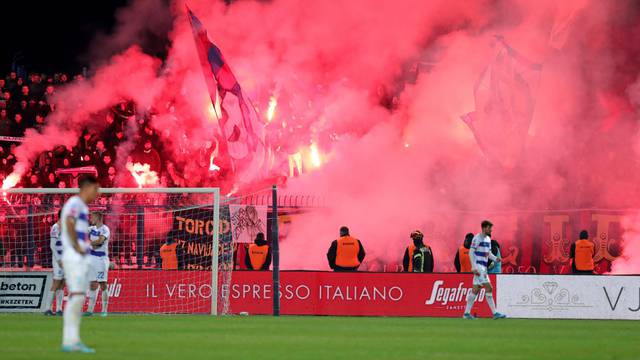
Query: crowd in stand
x=25 y=104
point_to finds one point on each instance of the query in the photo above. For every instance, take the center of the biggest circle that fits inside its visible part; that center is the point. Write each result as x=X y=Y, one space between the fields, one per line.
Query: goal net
x=148 y=227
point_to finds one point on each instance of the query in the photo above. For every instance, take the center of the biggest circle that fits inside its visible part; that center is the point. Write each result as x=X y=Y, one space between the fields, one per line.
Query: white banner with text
x=569 y=296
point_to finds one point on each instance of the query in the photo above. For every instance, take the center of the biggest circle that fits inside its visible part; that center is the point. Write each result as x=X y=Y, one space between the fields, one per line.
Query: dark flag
x=241 y=129
x=504 y=105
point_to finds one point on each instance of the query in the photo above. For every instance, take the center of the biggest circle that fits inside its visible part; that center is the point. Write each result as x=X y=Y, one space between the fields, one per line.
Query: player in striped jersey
x=75 y=246
x=480 y=254
x=57 y=287
x=99 y=235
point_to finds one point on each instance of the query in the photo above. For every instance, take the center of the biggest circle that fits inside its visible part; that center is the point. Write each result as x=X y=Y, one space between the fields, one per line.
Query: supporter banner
x=247 y=221
x=302 y=293
x=192 y=230
x=11 y=138
x=24 y=291
x=569 y=296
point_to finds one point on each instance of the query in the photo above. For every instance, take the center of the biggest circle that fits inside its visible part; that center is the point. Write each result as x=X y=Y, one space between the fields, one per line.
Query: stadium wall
x=351 y=294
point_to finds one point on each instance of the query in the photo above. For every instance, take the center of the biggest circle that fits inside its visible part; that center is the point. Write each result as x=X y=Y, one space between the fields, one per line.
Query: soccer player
x=57 y=287
x=480 y=254
x=99 y=234
x=75 y=245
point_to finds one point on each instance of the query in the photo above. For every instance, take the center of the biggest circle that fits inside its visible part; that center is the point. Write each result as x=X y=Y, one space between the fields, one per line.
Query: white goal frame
x=216 y=217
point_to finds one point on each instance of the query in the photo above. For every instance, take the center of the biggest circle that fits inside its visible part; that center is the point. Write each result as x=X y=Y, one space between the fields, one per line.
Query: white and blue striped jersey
x=94 y=234
x=481 y=250
x=55 y=243
x=79 y=211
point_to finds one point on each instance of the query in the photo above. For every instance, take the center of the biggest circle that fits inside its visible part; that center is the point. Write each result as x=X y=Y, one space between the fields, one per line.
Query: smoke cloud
x=380 y=88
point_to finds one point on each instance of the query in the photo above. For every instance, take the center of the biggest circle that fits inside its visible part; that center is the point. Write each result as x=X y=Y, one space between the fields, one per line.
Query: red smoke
x=338 y=67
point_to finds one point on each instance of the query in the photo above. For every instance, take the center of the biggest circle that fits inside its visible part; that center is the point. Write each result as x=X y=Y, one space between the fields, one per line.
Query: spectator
x=171 y=255
x=5 y=123
x=148 y=155
x=495 y=267
x=39 y=125
x=18 y=126
x=7 y=100
x=25 y=93
x=110 y=181
x=34 y=181
x=258 y=256
x=51 y=180
x=461 y=261
x=581 y=254
x=346 y=253
x=418 y=257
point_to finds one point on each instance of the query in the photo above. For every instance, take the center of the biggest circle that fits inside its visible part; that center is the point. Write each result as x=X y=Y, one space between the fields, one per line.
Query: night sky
x=53 y=36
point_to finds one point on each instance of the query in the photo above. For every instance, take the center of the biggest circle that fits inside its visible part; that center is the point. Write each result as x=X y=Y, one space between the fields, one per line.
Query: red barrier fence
x=302 y=293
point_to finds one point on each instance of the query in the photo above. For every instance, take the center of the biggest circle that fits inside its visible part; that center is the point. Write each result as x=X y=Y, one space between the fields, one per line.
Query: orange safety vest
x=347 y=252
x=258 y=255
x=465 y=261
x=584 y=255
x=411 y=249
x=169 y=256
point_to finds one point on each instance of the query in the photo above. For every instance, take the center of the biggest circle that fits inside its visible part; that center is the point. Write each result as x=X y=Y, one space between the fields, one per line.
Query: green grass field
x=119 y=337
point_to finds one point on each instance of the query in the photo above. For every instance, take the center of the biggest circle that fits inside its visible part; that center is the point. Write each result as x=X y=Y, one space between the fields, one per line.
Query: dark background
x=55 y=36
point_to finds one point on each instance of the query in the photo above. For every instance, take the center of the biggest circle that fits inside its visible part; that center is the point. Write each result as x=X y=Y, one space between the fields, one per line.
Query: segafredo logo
x=445 y=295
x=114 y=288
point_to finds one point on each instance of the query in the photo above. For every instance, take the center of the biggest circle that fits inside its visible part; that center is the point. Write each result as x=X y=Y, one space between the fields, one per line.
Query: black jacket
x=429 y=263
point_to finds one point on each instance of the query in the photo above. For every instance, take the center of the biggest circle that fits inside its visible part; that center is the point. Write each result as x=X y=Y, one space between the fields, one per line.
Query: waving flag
x=504 y=98
x=241 y=128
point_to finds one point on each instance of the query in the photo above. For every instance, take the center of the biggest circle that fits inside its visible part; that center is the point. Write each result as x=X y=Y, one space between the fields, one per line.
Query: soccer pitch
x=120 y=337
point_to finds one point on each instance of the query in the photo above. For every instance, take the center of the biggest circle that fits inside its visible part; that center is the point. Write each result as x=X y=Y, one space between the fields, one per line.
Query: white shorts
x=481 y=279
x=58 y=272
x=76 y=272
x=98 y=268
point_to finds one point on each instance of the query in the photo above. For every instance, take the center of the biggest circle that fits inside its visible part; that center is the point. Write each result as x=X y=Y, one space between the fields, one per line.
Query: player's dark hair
x=99 y=214
x=584 y=235
x=59 y=213
x=486 y=223
x=344 y=231
x=87 y=180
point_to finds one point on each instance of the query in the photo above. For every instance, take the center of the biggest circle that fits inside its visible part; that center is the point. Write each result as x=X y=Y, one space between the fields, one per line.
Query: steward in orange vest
x=346 y=253
x=171 y=255
x=462 y=261
x=410 y=251
x=581 y=254
x=258 y=256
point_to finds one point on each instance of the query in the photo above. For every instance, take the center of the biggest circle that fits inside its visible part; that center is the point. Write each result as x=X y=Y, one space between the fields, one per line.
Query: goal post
x=140 y=283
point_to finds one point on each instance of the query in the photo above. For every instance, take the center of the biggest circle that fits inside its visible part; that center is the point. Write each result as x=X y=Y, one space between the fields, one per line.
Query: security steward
x=258 y=256
x=581 y=254
x=426 y=255
x=346 y=253
x=171 y=255
x=462 y=261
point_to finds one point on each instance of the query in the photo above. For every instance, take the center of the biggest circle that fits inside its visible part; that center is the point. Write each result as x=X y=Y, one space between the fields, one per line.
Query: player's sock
x=93 y=294
x=71 y=321
x=59 y=299
x=492 y=304
x=49 y=300
x=105 y=300
x=471 y=298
